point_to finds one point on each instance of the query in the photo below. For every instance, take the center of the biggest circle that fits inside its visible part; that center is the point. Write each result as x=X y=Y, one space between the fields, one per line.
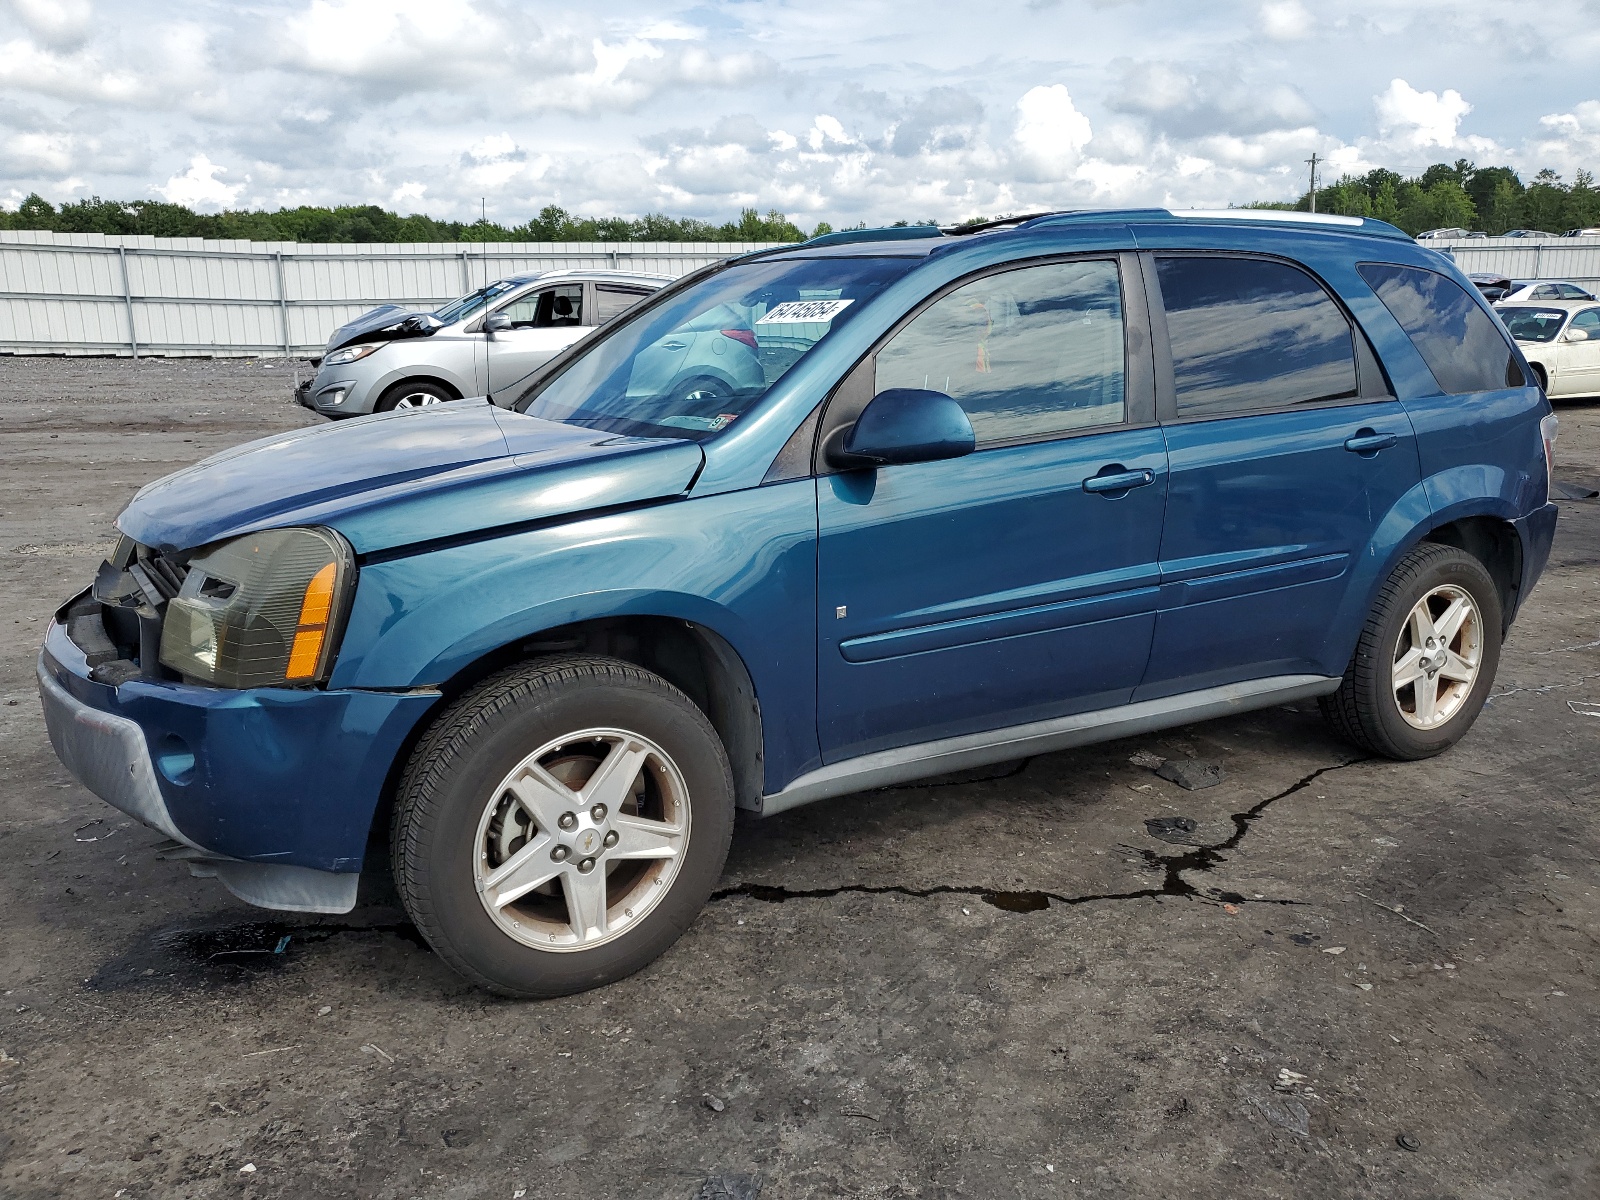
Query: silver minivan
x=481 y=344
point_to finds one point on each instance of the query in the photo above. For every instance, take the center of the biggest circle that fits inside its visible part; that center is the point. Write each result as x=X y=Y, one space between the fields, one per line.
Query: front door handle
x=1366 y=441
x=1115 y=479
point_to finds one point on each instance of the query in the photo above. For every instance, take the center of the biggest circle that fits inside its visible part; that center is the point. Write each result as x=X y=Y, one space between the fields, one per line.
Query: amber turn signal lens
x=313 y=624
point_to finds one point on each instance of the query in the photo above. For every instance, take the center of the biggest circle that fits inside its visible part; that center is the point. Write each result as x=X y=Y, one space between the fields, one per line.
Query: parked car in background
x=1527 y=233
x=1590 y=231
x=1544 y=289
x=968 y=497
x=1561 y=341
x=1493 y=287
x=488 y=340
x=1447 y=234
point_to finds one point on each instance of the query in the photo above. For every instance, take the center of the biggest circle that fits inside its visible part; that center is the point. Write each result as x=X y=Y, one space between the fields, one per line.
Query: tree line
x=1490 y=199
x=369 y=223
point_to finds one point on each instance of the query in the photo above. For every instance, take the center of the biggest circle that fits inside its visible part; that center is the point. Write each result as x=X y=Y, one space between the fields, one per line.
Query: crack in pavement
x=1547 y=688
x=1173 y=866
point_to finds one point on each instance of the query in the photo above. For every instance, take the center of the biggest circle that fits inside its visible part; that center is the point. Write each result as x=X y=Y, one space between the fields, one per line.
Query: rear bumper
x=1536 y=532
x=272 y=790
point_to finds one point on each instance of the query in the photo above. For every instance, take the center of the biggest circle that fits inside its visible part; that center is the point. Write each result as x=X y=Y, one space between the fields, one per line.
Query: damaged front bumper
x=272 y=790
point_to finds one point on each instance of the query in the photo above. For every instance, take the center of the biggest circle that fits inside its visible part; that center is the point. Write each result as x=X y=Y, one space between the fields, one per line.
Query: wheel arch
x=695 y=659
x=1493 y=541
x=411 y=379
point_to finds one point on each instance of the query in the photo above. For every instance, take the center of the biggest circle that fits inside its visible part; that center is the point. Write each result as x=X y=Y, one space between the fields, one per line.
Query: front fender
x=742 y=564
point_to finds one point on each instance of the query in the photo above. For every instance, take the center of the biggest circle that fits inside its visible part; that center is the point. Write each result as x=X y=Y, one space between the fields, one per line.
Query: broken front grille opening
x=118 y=626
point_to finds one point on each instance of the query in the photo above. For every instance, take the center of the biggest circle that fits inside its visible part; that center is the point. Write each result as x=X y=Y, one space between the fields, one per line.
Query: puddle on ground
x=220 y=955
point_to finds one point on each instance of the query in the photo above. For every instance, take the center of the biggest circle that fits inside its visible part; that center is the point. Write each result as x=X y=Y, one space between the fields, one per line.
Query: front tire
x=561 y=825
x=413 y=393
x=1426 y=658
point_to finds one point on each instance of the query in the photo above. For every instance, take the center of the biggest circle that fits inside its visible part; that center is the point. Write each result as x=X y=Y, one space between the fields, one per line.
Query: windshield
x=468 y=305
x=1533 y=324
x=695 y=364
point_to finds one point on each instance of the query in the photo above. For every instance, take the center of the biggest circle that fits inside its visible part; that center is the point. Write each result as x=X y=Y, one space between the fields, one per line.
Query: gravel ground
x=1350 y=978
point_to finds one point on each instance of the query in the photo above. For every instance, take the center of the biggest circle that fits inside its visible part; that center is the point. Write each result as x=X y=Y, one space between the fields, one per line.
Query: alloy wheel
x=582 y=839
x=1437 y=656
x=417 y=400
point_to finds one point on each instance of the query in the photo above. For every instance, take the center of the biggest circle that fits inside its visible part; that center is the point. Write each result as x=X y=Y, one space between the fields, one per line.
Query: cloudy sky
x=840 y=110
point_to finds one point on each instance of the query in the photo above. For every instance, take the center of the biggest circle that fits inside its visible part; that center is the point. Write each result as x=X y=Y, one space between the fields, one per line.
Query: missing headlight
x=261 y=610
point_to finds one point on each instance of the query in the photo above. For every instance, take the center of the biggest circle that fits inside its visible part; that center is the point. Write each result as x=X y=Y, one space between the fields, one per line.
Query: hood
x=399 y=478
x=385 y=320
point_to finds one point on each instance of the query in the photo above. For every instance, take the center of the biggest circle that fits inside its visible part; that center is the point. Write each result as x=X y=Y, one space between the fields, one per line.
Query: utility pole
x=483 y=209
x=1313 y=161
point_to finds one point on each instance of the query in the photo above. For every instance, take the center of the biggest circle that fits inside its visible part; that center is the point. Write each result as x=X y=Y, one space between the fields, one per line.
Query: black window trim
x=855 y=389
x=1372 y=381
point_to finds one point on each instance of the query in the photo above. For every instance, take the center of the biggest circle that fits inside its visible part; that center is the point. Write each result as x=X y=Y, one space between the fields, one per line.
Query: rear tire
x=1426 y=658
x=561 y=825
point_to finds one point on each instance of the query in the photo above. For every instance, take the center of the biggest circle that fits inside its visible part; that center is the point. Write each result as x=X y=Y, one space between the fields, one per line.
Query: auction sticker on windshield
x=798 y=312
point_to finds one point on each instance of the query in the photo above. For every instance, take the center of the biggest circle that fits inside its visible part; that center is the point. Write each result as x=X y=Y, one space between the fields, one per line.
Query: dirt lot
x=1353 y=978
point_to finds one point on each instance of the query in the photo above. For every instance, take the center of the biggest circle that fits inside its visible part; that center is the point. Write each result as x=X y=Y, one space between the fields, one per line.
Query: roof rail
x=892 y=233
x=1265 y=214
x=999 y=223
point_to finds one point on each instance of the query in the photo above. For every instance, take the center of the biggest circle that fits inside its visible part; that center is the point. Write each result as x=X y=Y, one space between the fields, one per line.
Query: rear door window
x=1464 y=347
x=1030 y=353
x=612 y=301
x=1252 y=335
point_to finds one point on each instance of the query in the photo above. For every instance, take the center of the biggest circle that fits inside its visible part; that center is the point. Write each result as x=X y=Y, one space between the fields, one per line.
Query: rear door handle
x=1368 y=442
x=1119 y=481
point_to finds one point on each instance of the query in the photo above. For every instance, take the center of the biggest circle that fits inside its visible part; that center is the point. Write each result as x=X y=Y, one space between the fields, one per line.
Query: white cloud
x=832 y=110
x=55 y=22
x=1569 y=141
x=199 y=187
x=1051 y=132
x=1420 y=119
x=1286 y=20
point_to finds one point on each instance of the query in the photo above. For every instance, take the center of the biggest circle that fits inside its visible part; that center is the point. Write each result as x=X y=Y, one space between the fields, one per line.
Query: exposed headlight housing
x=263 y=610
x=351 y=354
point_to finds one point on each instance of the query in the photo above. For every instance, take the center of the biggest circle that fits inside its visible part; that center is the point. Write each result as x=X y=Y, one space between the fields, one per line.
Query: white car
x=1544 y=289
x=479 y=345
x=1561 y=341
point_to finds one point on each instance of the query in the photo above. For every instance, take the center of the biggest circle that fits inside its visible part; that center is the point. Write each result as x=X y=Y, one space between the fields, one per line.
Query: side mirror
x=1575 y=335
x=906 y=425
x=497 y=322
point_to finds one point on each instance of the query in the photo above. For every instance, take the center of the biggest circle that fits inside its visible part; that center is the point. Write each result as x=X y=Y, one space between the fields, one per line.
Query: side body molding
x=1041 y=737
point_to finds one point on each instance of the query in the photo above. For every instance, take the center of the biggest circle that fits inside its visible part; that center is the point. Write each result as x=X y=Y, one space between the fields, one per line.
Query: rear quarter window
x=1463 y=346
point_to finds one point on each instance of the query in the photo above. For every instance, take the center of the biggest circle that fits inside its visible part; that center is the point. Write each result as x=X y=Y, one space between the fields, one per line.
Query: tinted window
x=1028 y=353
x=1588 y=321
x=1249 y=334
x=699 y=360
x=1462 y=345
x=610 y=301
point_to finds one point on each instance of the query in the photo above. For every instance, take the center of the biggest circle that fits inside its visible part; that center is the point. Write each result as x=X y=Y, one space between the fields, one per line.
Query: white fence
x=1574 y=259
x=94 y=293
